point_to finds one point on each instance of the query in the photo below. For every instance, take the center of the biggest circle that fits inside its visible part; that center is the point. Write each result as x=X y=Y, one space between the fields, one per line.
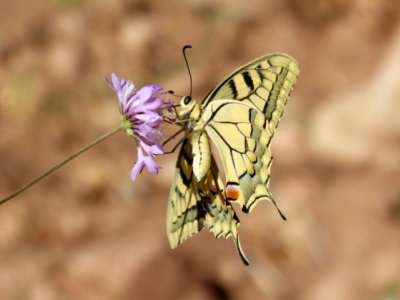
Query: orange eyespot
x=232 y=191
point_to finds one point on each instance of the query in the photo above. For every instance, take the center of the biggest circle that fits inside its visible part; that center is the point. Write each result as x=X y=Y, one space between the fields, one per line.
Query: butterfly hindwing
x=194 y=204
x=185 y=214
x=242 y=137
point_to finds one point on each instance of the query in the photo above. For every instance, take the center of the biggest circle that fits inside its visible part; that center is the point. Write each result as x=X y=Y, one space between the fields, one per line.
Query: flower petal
x=116 y=82
x=153 y=104
x=152 y=149
x=152 y=166
x=143 y=94
x=151 y=118
x=109 y=83
x=138 y=167
x=148 y=161
x=154 y=87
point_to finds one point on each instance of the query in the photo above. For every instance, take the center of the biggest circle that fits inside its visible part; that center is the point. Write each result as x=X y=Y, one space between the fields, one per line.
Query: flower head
x=141 y=115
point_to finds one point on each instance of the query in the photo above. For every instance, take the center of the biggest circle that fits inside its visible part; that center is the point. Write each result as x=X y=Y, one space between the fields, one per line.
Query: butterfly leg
x=175 y=147
x=173 y=136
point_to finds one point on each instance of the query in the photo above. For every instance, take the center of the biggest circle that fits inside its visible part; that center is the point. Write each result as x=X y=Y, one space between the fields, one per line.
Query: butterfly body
x=197 y=137
x=240 y=117
x=201 y=153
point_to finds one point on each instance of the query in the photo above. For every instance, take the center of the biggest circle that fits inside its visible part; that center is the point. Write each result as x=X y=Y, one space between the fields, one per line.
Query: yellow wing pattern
x=196 y=204
x=265 y=83
x=241 y=115
x=242 y=137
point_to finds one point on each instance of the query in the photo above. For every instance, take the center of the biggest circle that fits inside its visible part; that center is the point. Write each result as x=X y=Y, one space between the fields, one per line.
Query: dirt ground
x=89 y=232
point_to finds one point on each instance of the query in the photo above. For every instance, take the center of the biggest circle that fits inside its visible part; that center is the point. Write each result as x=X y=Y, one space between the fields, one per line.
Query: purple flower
x=141 y=115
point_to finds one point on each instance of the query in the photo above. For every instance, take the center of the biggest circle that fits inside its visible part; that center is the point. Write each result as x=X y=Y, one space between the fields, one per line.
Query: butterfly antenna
x=173 y=94
x=187 y=65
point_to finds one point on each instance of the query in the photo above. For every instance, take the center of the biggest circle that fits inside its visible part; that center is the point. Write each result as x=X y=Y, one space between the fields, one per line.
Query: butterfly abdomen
x=201 y=154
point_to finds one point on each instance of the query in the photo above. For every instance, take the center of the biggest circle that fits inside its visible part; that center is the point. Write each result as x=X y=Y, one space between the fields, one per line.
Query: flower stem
x=59 y=165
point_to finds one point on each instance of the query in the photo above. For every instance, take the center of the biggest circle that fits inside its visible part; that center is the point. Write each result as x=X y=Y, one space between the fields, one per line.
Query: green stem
x=56 y=167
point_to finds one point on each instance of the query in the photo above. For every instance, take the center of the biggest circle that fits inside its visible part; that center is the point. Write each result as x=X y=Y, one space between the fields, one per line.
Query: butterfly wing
x=265 y=84
x=194 y=204
x=185 y=213
x=241 y=135
x=241 y=115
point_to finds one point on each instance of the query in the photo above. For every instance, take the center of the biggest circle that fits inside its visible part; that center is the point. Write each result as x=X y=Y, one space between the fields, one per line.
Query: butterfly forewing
x=265 y=83
x=241 y=115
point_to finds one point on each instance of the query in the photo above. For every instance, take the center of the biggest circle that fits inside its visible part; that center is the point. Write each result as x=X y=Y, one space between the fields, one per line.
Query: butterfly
x=239 y=116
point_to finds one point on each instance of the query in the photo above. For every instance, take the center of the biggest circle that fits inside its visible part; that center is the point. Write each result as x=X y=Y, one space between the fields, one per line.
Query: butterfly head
x=186 y=101
x=189 y=109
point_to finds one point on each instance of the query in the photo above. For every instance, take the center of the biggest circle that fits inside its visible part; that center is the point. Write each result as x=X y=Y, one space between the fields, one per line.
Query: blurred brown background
x=88 y=232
